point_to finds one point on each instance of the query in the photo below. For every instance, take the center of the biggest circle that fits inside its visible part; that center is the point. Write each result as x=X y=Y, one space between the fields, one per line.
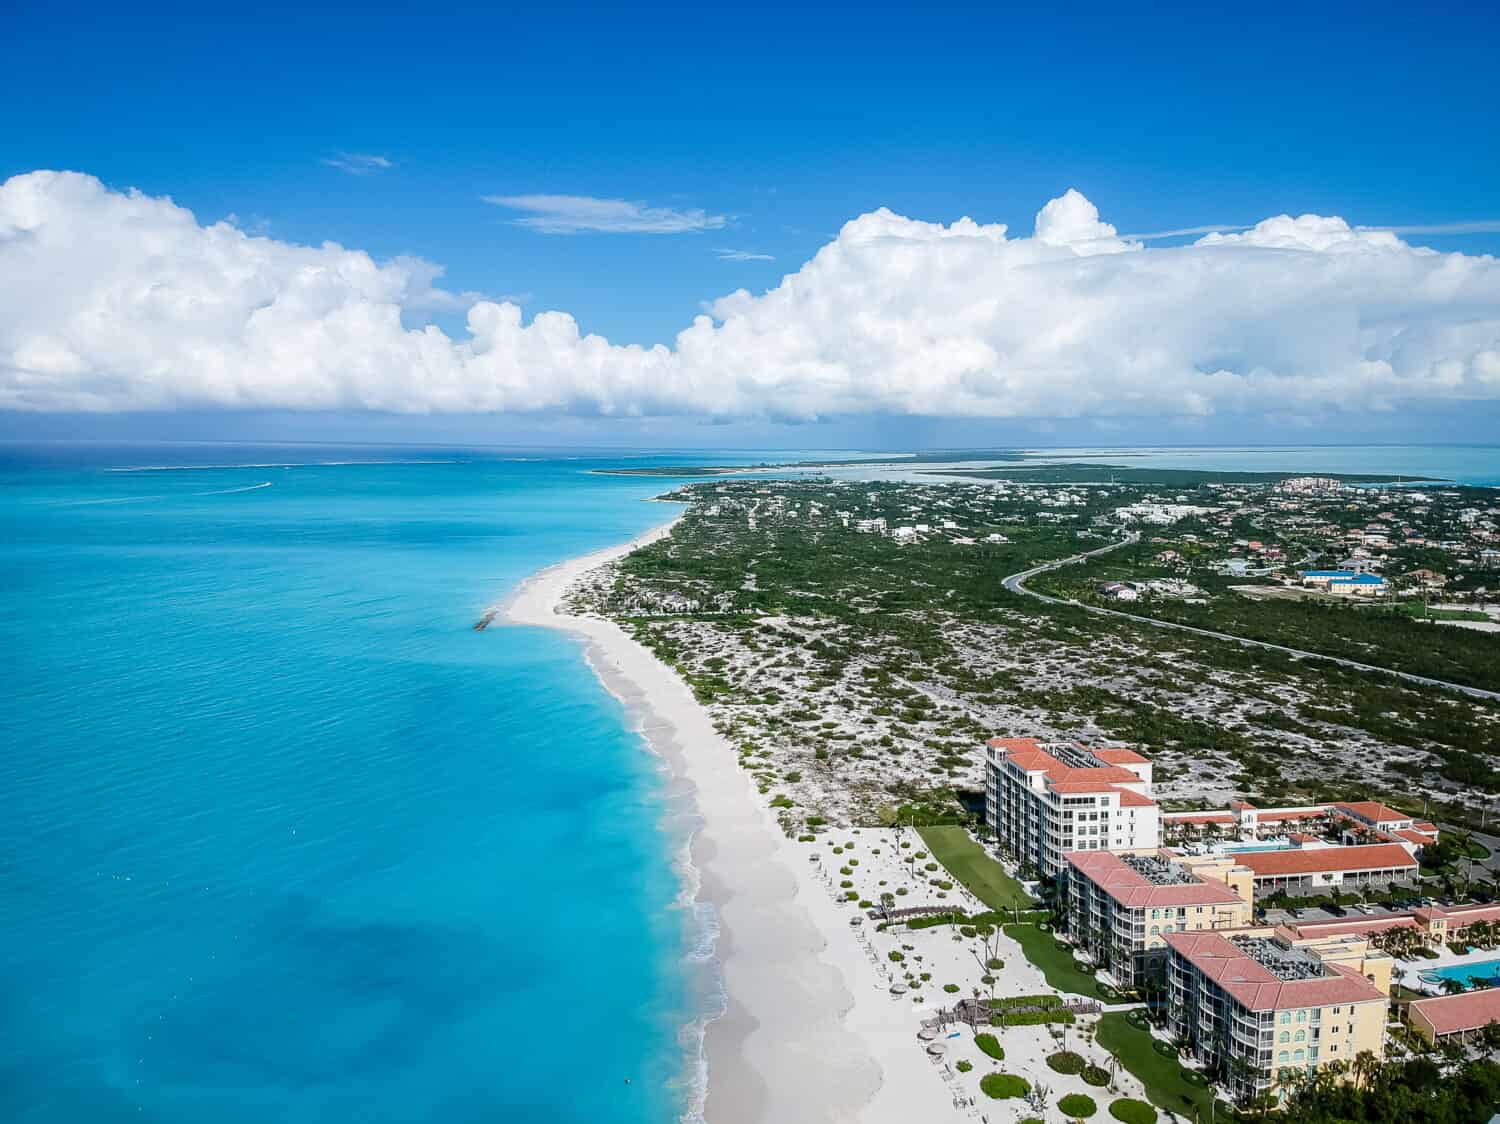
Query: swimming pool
x=1238 y=848
x=1485 y=971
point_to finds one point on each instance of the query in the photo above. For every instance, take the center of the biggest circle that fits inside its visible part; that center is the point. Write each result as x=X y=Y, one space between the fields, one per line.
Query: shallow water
x=284 y=838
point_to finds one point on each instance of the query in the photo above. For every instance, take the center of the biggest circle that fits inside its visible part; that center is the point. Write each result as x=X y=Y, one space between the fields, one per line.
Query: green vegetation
x=1416 y=1091
x=1066 y=1062
x=963 y=1065
x=1132 y=1111
x=965 y=859
x=1095 y=1075
x=1161 y=1075
x=1384 y=634
x=1059 y=967
x=1003 y=1085
x=1076 y=1106
x=990 y=1045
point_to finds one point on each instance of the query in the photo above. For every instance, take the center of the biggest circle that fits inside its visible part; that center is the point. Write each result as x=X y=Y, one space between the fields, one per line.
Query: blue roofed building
x=1348 y=582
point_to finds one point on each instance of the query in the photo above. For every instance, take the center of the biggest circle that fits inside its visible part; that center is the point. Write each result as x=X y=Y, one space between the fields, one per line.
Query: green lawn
x=1041 y=949
x=1162 y=1076
x=967 y=862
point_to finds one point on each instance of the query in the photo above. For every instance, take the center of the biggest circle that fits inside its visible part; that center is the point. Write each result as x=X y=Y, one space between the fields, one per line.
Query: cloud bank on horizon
x=117 y=301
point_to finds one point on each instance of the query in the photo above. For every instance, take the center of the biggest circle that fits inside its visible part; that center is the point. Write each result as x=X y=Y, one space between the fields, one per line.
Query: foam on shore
x=806 y=1033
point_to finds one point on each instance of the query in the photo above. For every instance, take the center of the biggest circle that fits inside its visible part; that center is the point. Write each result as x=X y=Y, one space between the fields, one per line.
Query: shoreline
x=807 y=1033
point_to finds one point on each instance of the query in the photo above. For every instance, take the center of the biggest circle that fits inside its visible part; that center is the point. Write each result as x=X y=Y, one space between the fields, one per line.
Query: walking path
x=1016 y=583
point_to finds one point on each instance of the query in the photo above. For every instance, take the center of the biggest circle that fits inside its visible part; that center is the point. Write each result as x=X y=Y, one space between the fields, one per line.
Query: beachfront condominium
x=1122 y=908
x=1043 y=799
x=1257 y=1006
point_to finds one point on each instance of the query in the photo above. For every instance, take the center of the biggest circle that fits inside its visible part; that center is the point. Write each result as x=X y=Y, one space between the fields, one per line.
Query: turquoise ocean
x=285 y=839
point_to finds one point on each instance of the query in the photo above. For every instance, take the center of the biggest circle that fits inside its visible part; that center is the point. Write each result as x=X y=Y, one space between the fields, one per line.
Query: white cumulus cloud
x=117 y=300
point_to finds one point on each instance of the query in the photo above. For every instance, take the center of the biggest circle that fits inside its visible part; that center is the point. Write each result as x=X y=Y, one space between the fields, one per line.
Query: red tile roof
x=1197 y=817
x=1451 y=1014
x=1119 y=755
x=1459 y=915
x=1373 y=811
x=1318 y=860
x=1305 y=930
x=1028 y=755
x=1129 y=799
x=1260 y=989
x=1129 y=888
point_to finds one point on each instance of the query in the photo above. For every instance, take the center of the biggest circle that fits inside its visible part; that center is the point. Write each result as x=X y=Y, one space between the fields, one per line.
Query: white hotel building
x=1044 y=799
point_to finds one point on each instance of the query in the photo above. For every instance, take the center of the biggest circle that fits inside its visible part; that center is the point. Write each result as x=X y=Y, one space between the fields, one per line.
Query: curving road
x=1016 y=583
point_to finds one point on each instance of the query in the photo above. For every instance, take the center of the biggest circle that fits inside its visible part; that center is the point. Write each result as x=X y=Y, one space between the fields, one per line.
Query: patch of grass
x=1003 y=1085
x=1161 y=1075
x=1132 y=1111
x=1056 y=965
x=1065 y=1061
x=990 y=1045
x=965 y=859
x=1076 y=1106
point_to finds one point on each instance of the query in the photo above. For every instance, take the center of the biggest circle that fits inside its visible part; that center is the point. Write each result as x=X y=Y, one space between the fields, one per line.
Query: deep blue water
x=283 y=838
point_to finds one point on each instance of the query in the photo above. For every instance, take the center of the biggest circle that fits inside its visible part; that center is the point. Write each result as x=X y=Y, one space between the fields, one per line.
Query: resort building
x=1345 y=582
x=1045 y=799
x=1458 y=1017
x=1254 y=1004
x=1121 y=908
x=1325 y=869
x=1451 y=923
x=1359 y=821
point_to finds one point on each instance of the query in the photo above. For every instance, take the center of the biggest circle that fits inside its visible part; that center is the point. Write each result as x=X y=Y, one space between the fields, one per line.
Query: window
x=1301 y=1036
x=1299 y=1056
x=1283 y=1038
x=1281 y=1058
x=1286 y=1017
x=1301 y=1016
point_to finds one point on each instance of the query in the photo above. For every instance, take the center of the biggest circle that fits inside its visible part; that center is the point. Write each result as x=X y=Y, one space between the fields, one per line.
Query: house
x=1428 y=579
x=1119 y=591
x=1454 y=1017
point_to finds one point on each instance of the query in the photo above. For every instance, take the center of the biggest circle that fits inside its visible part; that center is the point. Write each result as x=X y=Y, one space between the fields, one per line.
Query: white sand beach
x=811 y=1032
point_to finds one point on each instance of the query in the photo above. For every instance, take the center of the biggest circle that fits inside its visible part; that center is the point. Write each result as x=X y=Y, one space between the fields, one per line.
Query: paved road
x=1016 y=583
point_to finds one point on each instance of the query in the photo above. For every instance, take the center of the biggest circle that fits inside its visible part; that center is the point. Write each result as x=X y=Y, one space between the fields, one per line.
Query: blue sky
x=778 y=123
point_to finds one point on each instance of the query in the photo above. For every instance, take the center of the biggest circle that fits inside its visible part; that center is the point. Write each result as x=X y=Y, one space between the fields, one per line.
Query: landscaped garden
x=1076 y=1106
x=1055 y=959
x=1001 y=1086
x=1158 y=1069
x=965 y=859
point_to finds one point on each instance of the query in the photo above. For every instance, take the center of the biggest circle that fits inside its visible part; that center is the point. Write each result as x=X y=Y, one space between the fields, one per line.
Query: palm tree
x=1451 y=986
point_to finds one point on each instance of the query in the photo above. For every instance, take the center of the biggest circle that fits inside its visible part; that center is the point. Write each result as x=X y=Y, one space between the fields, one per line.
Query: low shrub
x=1003 y=1085
x=963 y=1065
x=1193 y=1077
x=1076 y=1106
x=1095 y=1075
x=990 y=1045
x=1065 y=1061
x=897 y=957
x=1165 y=1049
x=1130 y=1111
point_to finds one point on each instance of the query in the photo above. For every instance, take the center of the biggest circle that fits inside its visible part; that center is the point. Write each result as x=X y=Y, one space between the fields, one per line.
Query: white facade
x=1045 y=799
